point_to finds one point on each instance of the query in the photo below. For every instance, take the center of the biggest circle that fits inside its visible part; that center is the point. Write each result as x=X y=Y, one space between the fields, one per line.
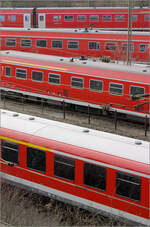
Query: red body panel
x=77 y=188
x=49 y=14
x=70 y=94
x=83 y=40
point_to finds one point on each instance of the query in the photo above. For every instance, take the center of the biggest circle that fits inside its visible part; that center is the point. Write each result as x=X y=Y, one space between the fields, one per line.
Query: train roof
x=93 y=140
x=136 y=73
x=86 y=31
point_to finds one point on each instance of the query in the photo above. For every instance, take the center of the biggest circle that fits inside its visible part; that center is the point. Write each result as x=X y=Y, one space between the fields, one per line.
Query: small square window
x=8 y=71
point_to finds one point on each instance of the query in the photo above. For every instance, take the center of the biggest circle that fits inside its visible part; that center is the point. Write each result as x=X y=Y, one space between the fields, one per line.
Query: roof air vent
x=31 y=118
x=7 y=52
x=15 y=115
x=84 y=62
x=61 y=59
x=86 y=130
x=75 y=30
x=72 y=60
x=144 y=70
x=138 y=142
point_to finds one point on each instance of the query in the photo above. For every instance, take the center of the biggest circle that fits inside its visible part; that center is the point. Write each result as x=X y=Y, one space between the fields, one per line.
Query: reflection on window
x=96 y=85
x=116 y=89
x=135 y=90
x=77 y=82
x=56 y=43
x=26 y=42
x=41 y=43
x=37 y=76
x=94 y=45
x=10 y=151
x=11 y=42
x=107 y=17
x=21 y=74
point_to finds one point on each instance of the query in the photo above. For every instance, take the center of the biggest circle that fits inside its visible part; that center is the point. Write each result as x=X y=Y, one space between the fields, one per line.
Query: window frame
x=17 y=144
x=118 y=19
x=57 y=41
x=72 y=166
x=110 y=83
x=8 y=39
x=35 y=150
x=26 y=40
x=70 y=47
x=115 y=44
x=94 y=90
x=41 y=40
x=106 y=20
x=131 y=95
x=73 y=77
x=96 y=43
x=10 y=71
x=53 y=82
x=140 y=47
x=39 y=81
x=19 y=77
x=66 y=20
x=82 y=16
x=129 y=182
x=2 y=18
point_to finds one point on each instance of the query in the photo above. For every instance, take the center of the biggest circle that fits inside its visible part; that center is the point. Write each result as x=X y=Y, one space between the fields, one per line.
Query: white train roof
x=108 y=143
x=101 y=31
x=91 y=62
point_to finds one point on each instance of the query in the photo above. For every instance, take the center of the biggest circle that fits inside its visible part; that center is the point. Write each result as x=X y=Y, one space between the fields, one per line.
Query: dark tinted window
x=26 y=42
x=10 y=151
x=11 y=42
x=116 y=89
x=21 y=73
x=68 y=18
x=53 y=78
x=37 y=76
x=107 y=17
x=56 y=44
x=137 y=90
x=64 y=167
x=95 y=176
x=110 y=46
x=77 y=82
x=94 y=18
x=73 y=45
x=81 y=18
x=36 y=159
x=94 y=45
x=8 y=71
x=41 y=43
x=119 y=17
x=96 y=85
x=128 y=186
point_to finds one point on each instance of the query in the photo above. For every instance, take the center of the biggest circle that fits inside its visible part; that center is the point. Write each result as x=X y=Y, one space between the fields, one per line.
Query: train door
x=41 y=20
x=27 y=20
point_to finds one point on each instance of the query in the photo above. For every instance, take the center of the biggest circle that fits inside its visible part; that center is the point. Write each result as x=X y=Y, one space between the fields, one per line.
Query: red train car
x=77 y=42
x=84 y=167
x=106 y=18
x=121 y=88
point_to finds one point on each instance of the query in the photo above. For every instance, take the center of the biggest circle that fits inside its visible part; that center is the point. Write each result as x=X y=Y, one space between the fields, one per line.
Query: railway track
x=58 y=112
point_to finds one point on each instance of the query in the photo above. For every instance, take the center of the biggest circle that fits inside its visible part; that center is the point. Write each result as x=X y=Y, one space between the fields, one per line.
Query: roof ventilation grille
x=138 y=142
x=31 y=118
x=86 y=130
x=15 y=115
x=61 y=59
x=144 y=70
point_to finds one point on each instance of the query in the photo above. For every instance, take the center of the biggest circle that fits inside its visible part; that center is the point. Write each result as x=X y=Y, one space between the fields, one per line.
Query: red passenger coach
x=114 y=87
x=84 y=167
x=105 y=18
x=77 y=42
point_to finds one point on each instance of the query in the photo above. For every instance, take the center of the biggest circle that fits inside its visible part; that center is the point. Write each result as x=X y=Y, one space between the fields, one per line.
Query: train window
x=36 y=159
x=37 y=76
x=128 y=186
x=53 y=78
x=142 y=48
x=124 y=47
x=116 y=89
x=134 y=17
x=96 y=85
x=41 y=43
x=81 y=18
x=26 y=42
x=8 y=71
x=56 y=18
x=94 y=18
x=2 y=18
x=147 y=17
x=64 y=167
x=56 y=43
x=21 y=74
x=13 y=18
x=94 y=45
x=68 y=17
x=77 y=82
x=110 y=46
x=119 y=17
x=107 y=17
x=137 y=91
x=11 y=42
x=73 y=45
x=10 y=151
x=95 y=176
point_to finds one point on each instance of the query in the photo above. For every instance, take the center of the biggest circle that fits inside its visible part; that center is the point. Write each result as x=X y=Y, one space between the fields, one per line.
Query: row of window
x=94 y=176
x=96 y=18
x=76 y=82
x=92 y=45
